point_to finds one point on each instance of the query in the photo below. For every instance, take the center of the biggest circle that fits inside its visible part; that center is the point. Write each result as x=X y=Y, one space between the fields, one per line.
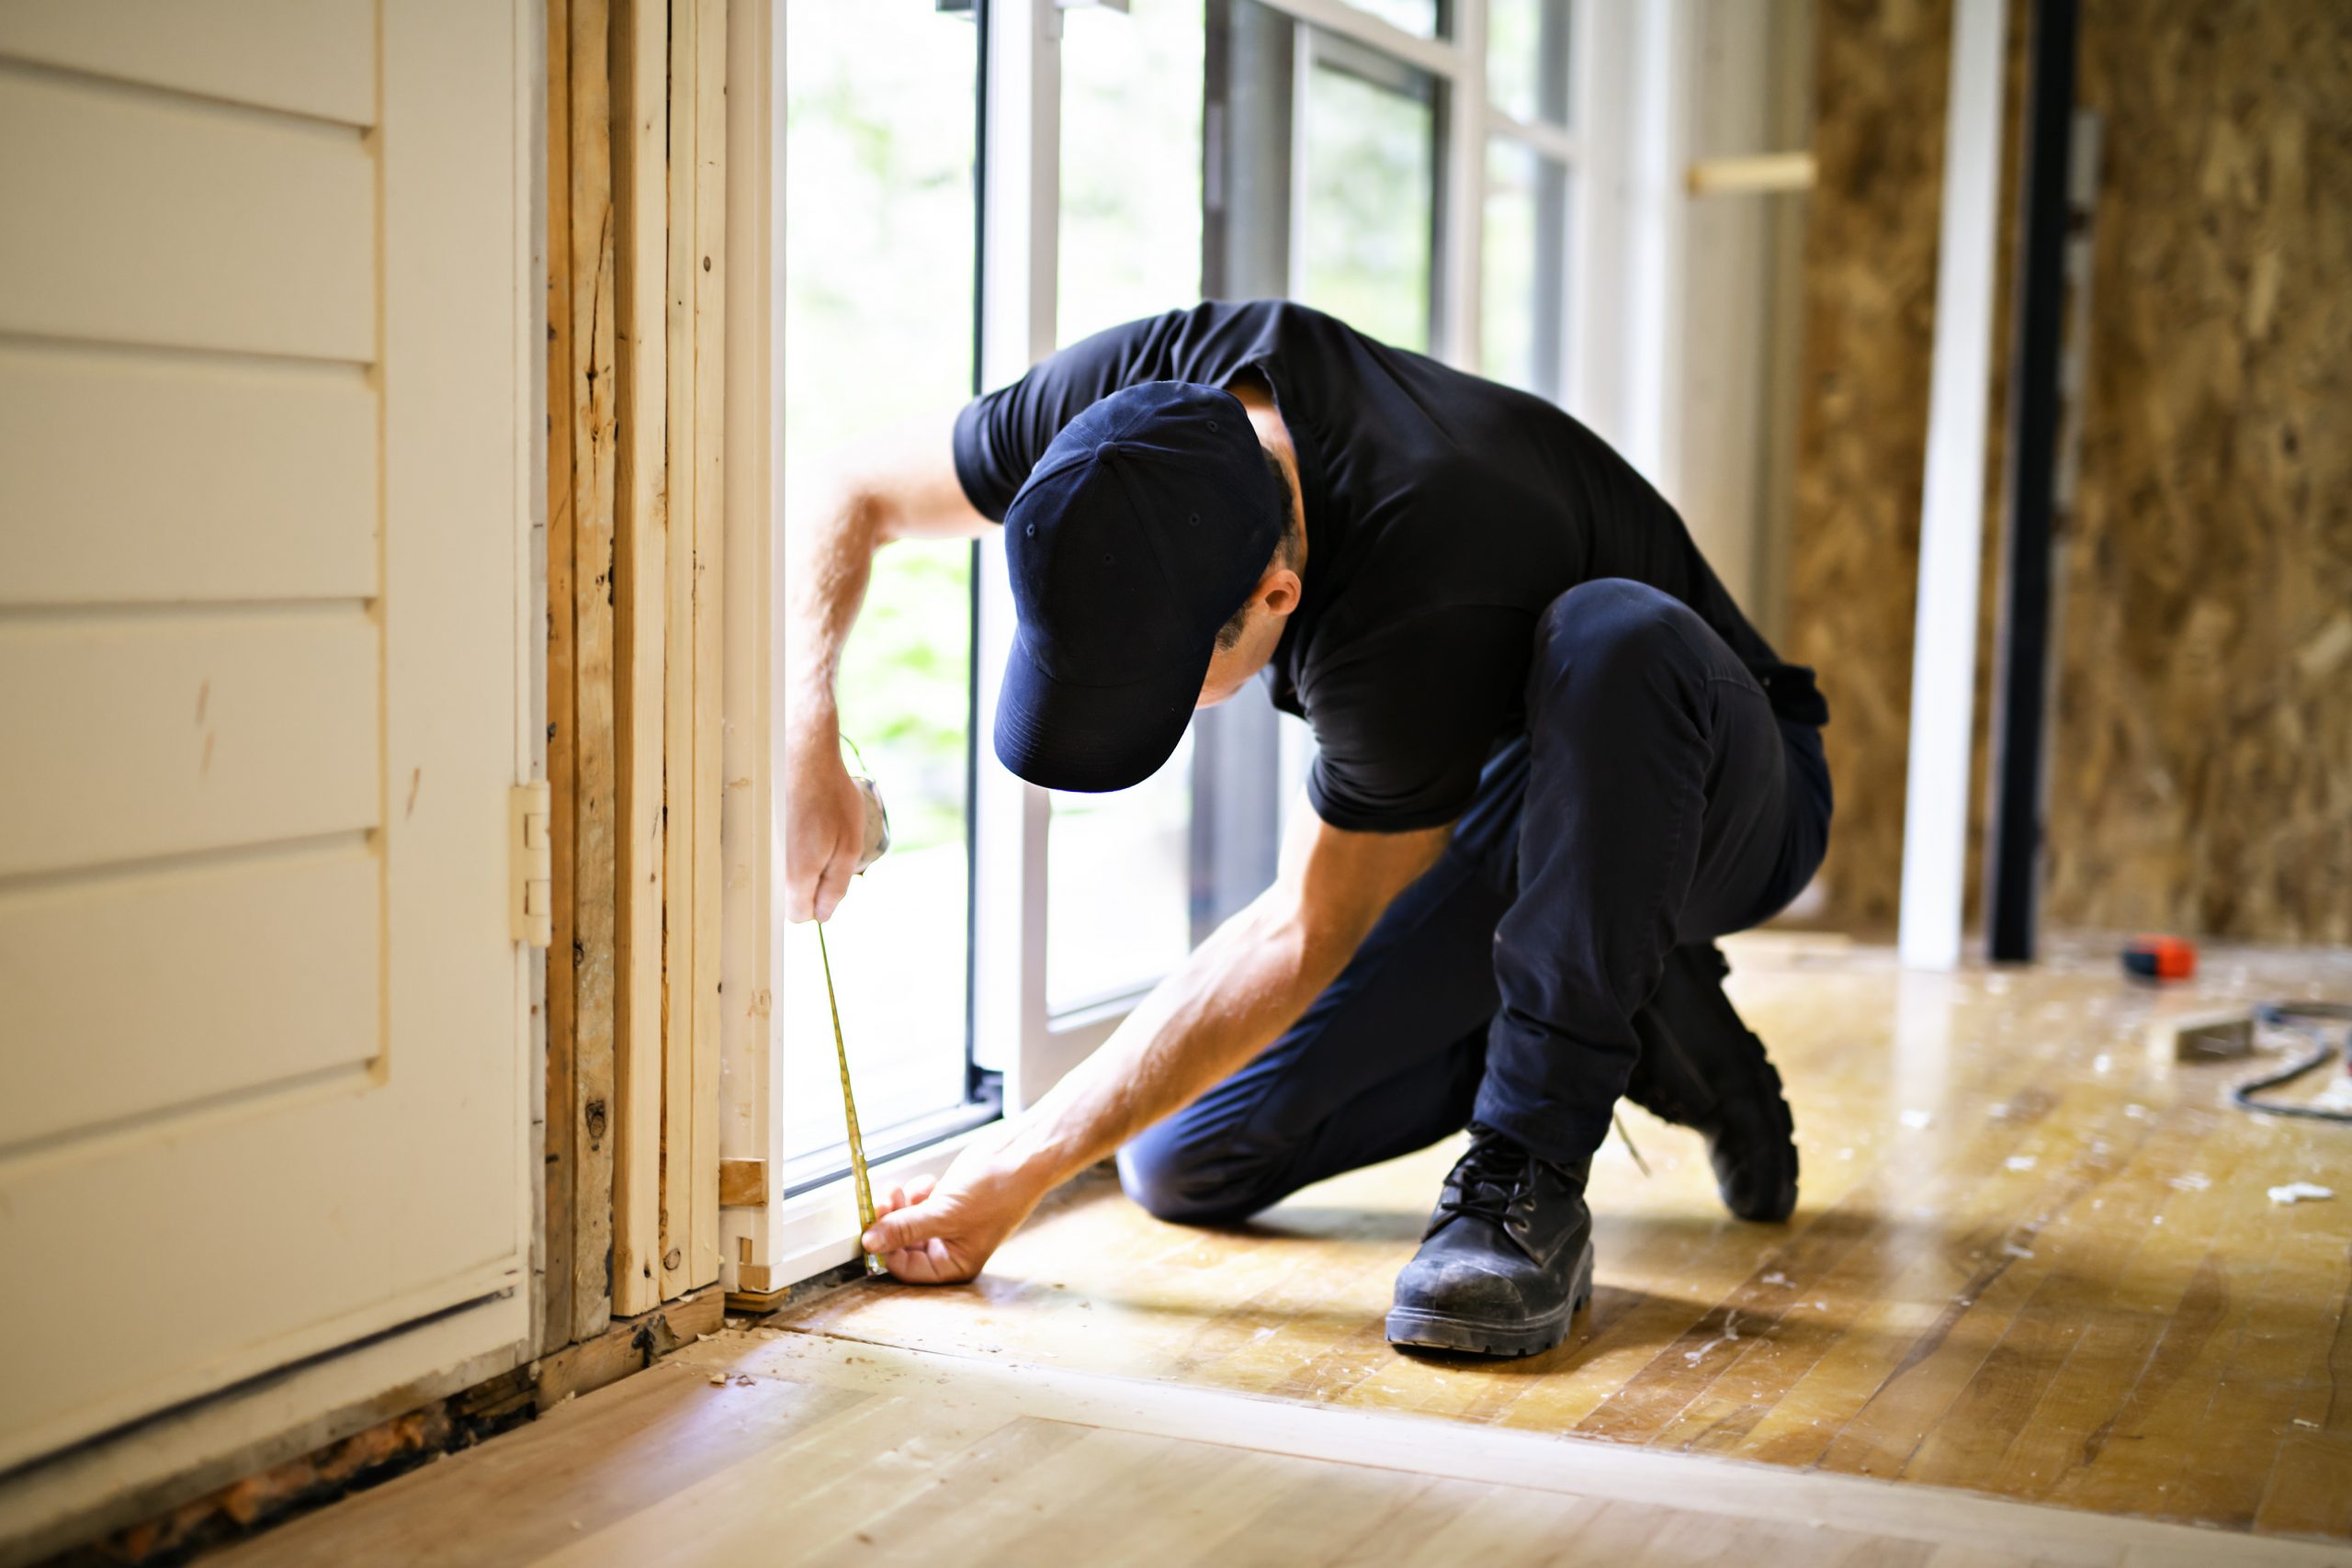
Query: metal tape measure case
x=877 y=822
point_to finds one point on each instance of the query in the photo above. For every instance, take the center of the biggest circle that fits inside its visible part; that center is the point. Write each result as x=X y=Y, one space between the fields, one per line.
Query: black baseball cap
x=1149 y=520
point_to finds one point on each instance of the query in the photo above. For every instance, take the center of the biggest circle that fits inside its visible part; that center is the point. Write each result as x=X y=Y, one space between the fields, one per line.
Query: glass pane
x=1117 y=884
x=1522 y=292
x=1527 y=58
x=1131 y=163
x=1368 y=214
x=877 y=299
x=1421 y=17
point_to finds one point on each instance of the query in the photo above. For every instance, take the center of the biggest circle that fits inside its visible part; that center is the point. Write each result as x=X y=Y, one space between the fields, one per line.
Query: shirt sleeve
x=1002 y=435
x=1405 y=721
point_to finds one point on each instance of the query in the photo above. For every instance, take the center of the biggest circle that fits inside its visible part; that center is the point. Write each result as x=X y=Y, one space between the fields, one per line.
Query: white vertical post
x=1657 y=152
x=1021 y=192
x=1465 y=217
x=1951 y=523
x=750 y=961
x=1597 y=105
x=1632 y=106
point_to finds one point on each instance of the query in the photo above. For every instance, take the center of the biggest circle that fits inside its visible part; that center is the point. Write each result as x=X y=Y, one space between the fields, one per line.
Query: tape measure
x=857 y=1171
x=876 y=841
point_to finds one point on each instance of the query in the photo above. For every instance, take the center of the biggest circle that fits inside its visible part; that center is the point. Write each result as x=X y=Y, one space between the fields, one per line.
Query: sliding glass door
x=878 y=287
x=1230 y=147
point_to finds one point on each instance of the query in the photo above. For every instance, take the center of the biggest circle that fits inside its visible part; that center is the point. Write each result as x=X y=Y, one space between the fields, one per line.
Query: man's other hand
x=824 y=833
x=936 y=1230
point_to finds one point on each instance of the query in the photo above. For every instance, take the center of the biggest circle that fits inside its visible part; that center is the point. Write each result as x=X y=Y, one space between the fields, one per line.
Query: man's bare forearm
x=1231 y=998
x=897 y=484
x=829 y=537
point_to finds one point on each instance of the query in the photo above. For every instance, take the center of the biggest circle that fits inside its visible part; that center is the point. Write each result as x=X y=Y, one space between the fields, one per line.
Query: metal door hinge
x=533 y=865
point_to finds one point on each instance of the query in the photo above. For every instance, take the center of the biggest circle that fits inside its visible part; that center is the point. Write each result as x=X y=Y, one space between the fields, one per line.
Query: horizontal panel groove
x=259 y=853
x=178 y=98
x=268 y=1097
x=96 y=613
x=360 y=371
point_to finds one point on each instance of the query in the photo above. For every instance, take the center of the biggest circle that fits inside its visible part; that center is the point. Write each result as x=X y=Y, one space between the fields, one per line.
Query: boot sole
x=1427 y=1330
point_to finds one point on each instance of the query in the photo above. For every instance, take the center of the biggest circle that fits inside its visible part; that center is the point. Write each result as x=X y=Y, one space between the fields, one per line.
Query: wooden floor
x=2031 y=1262
x=776 y=1448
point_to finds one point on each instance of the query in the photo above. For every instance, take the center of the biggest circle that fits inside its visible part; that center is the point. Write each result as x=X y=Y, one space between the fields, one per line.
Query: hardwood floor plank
x=1992 y=1280
x=2309 y=1490
x=2009 y=1264
x=2031 y=1260
x=799 y=1448
x=587 y=1463
x=1473 y=1525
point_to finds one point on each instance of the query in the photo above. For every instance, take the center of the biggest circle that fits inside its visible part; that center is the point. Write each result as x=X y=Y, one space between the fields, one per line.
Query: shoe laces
x=1489 y=1177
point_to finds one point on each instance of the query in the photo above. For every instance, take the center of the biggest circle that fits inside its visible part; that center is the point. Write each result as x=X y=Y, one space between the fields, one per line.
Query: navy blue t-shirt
x=1443 y=511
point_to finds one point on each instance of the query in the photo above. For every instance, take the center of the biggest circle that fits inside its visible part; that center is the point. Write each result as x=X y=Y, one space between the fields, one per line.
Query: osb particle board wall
x=2202 y=776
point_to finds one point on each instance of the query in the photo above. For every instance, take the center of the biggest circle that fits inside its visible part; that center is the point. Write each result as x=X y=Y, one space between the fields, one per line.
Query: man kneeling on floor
x=1553 y=763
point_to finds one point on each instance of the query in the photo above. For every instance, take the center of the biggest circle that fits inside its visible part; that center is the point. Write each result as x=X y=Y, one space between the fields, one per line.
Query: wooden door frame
x=636 y=299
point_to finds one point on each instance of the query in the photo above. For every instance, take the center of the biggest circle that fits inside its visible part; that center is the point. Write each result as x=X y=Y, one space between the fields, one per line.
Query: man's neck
x=1266 y=419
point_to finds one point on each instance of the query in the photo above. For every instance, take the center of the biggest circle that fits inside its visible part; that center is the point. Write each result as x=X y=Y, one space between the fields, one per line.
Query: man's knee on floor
x=1185 y=1182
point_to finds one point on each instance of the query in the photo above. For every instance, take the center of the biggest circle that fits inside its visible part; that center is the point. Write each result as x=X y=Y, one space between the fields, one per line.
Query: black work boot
x=1702 y=1067
x=1507 y=1260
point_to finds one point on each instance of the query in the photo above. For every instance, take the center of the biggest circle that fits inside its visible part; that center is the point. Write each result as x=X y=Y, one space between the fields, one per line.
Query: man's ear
x=1279 y=591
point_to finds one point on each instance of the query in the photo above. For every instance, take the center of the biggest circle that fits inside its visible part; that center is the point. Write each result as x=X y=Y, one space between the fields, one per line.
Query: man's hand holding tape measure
x=825 y=833
x=935 y=1229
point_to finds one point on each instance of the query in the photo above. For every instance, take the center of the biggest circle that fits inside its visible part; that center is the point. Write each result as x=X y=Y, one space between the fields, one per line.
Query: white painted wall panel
x=132 y=477
x=137 y=735
x=128 y=995
x=135 y=216
x=342 y=1150
x=314 y=57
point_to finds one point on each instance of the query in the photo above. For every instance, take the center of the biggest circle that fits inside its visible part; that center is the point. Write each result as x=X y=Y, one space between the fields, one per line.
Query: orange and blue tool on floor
x=2157 y=957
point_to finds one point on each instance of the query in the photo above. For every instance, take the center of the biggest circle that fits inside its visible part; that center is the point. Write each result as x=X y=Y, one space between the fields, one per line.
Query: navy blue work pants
x=1654 y=800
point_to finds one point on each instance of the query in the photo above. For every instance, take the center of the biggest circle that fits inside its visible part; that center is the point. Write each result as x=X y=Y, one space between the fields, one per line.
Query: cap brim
x=1090 y=738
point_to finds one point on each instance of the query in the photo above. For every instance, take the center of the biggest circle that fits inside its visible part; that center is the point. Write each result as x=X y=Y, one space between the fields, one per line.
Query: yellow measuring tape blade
x=849 y=1111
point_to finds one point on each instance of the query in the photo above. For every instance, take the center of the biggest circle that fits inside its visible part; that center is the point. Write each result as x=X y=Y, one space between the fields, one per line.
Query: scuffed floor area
x=2033 y=1257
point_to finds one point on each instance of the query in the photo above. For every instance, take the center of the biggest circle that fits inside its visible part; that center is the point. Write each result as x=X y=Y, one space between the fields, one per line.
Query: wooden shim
x=743 y=1183
x=709 y=519
x=678 y=932
x=1751 y=174
x=640 y=173
x=591 y=400
x=555 y=1298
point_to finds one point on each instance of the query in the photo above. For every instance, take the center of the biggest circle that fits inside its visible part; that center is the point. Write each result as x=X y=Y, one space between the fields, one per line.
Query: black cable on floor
x=2295 y=1018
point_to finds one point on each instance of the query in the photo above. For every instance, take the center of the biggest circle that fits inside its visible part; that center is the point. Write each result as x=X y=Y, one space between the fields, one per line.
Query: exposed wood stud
x=592 y=400
x=707 y=598
x=555 y=1289
x=640 y=133
x=678 y=931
